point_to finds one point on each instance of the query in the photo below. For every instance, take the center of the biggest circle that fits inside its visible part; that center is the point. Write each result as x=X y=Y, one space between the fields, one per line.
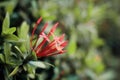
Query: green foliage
x=17 y=56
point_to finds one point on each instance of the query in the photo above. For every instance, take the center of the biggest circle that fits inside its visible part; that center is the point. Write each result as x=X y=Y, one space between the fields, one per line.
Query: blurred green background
x=92 y=28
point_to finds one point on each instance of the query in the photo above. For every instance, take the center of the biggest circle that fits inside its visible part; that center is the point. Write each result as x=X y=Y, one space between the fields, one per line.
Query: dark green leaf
x=1 y=57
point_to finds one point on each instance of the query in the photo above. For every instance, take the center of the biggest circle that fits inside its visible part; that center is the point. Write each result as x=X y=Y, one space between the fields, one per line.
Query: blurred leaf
x=90 y=73
x=11 y=38
x=6 y=24
x=98 y=42
x=31 y=71
x=10 y=30
x=7 y=52
x=108 y=75
x=90 y=8
x=34 y=8
x=20 y=52
x=23 y=35
x=72 y=46
x=40 y=64
x=23 y=30
x=32 y=76
x=34 y=55
x=46 y=15
x=94 y=61
x=1 y=57
x=9 y=5
x=99 y=11
x=16 y=69
x=7 y=32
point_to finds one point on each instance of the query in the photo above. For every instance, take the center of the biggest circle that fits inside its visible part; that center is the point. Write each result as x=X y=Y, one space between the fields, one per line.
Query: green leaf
x=6 y=24
x=34 y=55
x=14 y=71
x=23 y=31
x=31 y=70
x=1 y=57
x=40 y=64
x=32 y=76
x=10 y=30
x=11 y=37
x=19 y=51
x=5 y=27
x=23 y=35
x=7 y=51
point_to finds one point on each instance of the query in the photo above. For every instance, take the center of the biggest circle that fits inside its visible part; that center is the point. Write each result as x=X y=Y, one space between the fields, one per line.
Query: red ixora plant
x=48 y=47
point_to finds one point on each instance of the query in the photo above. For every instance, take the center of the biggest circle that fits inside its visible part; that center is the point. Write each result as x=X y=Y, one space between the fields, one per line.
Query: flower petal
x=33 y=31
x=53 y=29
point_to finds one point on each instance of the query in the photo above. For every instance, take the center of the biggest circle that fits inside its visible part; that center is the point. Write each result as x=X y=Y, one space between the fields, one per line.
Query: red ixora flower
x=48 y=47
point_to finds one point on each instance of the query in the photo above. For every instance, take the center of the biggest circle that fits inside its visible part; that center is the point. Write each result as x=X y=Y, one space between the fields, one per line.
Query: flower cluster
x=48 y=47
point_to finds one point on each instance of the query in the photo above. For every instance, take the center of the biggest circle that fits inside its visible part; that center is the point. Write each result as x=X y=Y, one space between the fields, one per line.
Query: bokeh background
x=92 y=28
